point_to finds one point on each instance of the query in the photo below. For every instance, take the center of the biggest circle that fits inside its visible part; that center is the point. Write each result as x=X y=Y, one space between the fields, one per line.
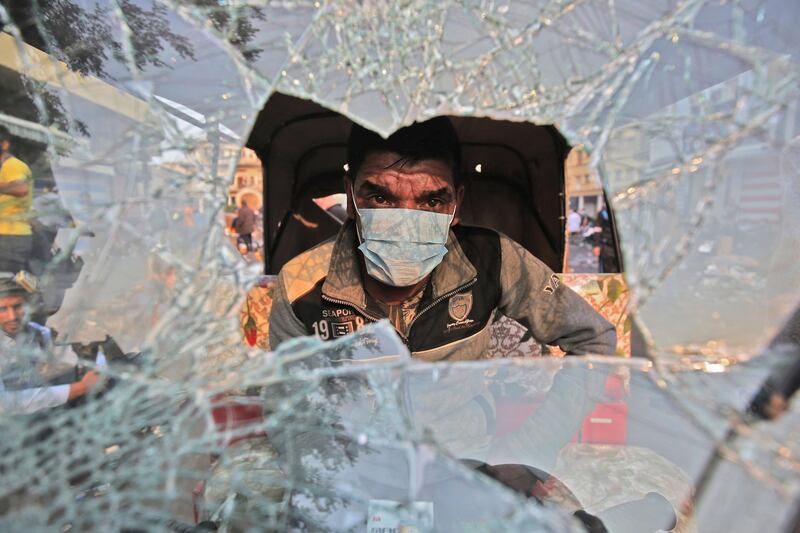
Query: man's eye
x=434 y=202
x=378 y=199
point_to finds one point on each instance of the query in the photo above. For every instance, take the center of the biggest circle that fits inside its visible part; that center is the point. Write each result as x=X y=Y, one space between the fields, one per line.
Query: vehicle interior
x=514 y=177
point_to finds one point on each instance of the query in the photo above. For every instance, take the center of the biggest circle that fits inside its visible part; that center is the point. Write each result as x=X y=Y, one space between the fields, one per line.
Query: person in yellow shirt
x=16 y=195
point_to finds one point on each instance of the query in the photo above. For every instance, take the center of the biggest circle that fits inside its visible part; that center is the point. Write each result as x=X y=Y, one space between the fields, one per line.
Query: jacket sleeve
x=31 y=400
x=283 y=323
x=554 y=313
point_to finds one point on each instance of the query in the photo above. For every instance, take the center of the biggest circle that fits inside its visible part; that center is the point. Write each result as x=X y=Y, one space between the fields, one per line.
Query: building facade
x=584 y=189
x=248 y=181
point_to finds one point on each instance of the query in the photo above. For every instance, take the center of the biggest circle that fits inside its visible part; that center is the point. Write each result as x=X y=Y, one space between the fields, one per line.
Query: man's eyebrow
x=367 y=187
x=444 y=193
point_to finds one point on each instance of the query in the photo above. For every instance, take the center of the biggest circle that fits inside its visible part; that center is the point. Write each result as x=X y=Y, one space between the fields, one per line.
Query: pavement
x=581 y=258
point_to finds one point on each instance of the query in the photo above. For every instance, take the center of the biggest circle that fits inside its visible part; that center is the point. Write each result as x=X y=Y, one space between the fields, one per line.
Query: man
x=244 y=224
x=574 y=226
x=24 y=399
x=16 y=195
x=604 y=248
x=403 y=255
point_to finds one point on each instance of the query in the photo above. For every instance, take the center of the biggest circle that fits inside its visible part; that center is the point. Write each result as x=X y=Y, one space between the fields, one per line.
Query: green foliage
x=626 y=326
x=235 y=24
x=615 y=289
x=85 y=38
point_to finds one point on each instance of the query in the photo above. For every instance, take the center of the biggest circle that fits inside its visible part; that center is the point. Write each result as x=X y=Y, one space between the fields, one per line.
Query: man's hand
x=83 y=386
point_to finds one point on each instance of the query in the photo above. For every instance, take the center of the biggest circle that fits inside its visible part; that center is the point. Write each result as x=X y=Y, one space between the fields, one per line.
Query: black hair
x=5 y=135
x=433 y=139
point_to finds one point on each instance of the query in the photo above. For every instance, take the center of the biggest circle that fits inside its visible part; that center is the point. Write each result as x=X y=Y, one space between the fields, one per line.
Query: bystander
x=16 y=195
x=19 y=392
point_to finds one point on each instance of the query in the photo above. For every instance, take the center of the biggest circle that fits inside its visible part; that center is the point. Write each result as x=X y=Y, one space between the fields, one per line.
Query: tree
x=84 y=38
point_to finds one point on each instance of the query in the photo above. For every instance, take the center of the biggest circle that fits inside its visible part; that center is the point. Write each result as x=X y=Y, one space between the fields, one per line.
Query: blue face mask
x=402 y=246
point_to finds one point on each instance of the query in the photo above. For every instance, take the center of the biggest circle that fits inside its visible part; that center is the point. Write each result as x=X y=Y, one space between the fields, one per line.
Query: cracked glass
x=139 y=246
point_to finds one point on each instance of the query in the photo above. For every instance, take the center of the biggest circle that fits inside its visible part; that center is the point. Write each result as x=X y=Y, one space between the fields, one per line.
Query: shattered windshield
x=173 y=356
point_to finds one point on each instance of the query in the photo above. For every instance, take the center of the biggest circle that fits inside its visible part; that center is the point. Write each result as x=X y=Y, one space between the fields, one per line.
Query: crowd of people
x=29 y=379
x=596 y=233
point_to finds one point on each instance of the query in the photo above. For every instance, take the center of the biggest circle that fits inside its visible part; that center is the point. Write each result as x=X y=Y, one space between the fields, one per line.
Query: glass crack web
x=131 y=115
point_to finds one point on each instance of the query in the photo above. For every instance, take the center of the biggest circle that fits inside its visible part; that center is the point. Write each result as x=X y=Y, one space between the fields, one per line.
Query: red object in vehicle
x=230 y=416
x=251 y=335
x=607 y=424
x=250 y=331
x=615 y=387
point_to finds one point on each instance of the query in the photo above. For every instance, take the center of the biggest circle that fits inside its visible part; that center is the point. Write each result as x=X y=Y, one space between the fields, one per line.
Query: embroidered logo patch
x=459 y=306
x=552 y=285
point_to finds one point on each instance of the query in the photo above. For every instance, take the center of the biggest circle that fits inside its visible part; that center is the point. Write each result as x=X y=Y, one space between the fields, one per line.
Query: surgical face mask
x=402 y=246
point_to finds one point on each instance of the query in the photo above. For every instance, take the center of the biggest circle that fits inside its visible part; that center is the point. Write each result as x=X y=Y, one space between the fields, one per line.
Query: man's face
x=5 y=146
x=12 y=309
x=426 y=185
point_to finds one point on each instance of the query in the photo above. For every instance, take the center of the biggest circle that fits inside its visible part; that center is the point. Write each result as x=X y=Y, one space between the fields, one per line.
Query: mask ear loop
x=353 y=196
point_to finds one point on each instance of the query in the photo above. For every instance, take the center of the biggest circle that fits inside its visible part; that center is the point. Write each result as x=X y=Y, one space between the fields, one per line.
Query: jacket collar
x=344 y=282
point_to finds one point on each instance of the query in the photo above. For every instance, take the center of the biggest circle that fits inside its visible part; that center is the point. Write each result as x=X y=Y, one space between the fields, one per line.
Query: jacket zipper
x=423 y=311
x=351 y=305
x=360 y=311
x=439 y=299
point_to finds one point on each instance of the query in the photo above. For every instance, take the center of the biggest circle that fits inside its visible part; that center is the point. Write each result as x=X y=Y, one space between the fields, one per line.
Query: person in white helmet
x=19 y=394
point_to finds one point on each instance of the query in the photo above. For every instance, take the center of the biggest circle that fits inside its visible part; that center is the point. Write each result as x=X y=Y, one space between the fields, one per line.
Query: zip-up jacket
x=483 y=273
